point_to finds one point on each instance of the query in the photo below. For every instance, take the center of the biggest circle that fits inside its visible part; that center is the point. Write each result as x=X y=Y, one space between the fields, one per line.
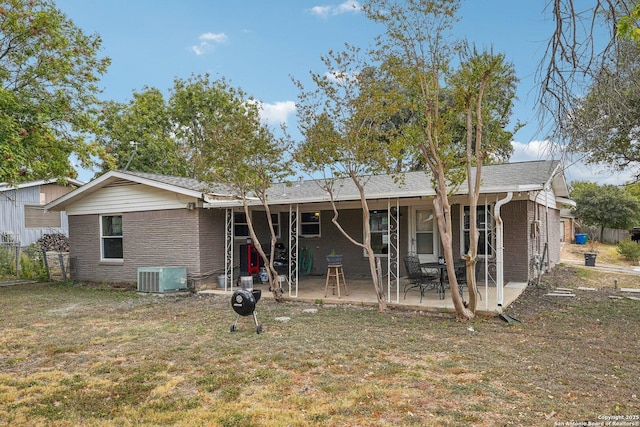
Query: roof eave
x=100 y=182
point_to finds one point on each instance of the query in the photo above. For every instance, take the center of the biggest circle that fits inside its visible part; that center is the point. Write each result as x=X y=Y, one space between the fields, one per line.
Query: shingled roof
x=523 y=176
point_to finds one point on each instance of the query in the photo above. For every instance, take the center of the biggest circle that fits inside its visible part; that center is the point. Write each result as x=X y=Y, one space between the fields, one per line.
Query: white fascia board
x=103 y=180
x=566 y=201
x=6 y=187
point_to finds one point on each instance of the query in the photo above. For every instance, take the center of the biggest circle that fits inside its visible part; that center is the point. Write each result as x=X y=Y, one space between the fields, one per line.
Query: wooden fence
x=609 y=235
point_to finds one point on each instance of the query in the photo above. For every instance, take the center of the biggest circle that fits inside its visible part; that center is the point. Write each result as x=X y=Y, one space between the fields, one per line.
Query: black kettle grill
x=243 y=302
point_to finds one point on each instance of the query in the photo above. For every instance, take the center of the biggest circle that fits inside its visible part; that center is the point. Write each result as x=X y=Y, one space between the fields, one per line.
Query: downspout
x=500 y=251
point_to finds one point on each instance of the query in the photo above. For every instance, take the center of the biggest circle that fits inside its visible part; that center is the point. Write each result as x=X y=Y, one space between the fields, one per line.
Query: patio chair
x=419 y=279
x=461 y=275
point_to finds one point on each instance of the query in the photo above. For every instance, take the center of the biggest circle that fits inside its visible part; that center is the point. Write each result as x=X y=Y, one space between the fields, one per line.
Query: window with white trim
x=425 y=232
x=379 y=224
x=482 y=223
x=111 y=246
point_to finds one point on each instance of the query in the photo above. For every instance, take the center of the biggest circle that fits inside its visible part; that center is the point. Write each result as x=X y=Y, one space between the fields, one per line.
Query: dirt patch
x=590 y=285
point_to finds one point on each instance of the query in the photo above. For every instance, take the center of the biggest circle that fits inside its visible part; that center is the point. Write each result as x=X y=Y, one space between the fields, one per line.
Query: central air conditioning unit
x=162 y=279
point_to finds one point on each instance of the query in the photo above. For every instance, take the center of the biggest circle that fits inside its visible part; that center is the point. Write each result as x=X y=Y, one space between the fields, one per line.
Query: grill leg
x=255 y=320
x=234 y=327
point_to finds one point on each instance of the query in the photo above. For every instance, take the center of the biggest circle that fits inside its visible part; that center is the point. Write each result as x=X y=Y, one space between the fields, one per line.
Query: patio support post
x=500 y=250
x=293 y=250
x=393 y=246
x=228 y=253
x=487 y=223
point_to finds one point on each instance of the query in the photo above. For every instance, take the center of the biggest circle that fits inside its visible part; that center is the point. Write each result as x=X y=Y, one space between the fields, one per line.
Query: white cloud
x=208 y=42
x=345 y=7
x=278 y=112
x=534 y=150
x=575 y=168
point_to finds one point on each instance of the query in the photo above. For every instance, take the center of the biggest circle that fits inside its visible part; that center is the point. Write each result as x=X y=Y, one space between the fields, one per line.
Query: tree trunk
x=377 y=283
x=277 y=292
x=443 y=215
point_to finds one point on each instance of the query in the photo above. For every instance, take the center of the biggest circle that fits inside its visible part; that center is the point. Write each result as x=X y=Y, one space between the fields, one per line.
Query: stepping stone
x=560 y=294
x=564 y=290
x=283 y=319
x=633 y=290
x=633 y=298
x=584 y=288
x=310 y=310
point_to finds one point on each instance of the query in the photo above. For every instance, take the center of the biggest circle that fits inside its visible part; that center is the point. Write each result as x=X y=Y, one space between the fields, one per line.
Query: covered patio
x=360 y=292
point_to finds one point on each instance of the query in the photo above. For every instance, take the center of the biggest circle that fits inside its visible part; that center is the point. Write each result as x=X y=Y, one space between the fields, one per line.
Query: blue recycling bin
x=581 y=239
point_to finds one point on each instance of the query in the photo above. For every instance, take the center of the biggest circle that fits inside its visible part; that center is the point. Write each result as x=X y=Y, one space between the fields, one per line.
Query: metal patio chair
x=461 y=275
x=419 y=278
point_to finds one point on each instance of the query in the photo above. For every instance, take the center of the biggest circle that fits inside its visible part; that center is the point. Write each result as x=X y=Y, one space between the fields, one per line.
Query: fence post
x=17 y=261
x=46 y=263
x=61 y=260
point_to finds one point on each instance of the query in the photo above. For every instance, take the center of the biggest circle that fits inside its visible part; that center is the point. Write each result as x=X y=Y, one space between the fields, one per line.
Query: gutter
x=500 y=250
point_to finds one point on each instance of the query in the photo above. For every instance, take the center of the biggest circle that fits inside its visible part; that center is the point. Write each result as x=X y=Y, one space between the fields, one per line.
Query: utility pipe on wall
x=500 y=249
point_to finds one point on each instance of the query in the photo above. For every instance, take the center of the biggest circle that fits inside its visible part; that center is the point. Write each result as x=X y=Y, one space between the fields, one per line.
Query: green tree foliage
x=606 y=206
x=227 y=144
x=347 y=123
x=140 y=134
x=49 y=71
x=605 y=125
x=484 y=89
x=459 y=109
x=629 y=26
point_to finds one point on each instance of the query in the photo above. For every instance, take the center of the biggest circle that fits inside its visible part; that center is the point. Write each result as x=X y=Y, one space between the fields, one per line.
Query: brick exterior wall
x=179 y=237
x=195 y=239
x=524 y=238
x=517 y=253
x=211 y=244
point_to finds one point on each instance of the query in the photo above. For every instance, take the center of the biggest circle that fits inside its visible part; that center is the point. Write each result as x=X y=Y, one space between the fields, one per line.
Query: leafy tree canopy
x=605 y=125
x=140 y=135
x=49 y=71
x=605 y=206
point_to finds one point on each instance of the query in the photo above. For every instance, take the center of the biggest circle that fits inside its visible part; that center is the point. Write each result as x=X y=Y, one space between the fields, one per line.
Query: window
x=111 y=236
x=275 y=220
x=482 y=229
x=240 y=226
x=424 y=232
x=310 y=224
x=36 y=217
x=379 y=223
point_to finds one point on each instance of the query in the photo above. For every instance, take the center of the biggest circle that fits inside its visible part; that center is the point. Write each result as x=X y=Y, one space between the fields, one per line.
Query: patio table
x=443 y=271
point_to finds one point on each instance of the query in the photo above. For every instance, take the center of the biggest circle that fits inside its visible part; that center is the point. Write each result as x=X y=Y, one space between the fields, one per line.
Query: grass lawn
x=74 y=354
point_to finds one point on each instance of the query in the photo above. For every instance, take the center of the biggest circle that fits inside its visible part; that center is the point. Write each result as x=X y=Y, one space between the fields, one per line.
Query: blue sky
x=258 y=45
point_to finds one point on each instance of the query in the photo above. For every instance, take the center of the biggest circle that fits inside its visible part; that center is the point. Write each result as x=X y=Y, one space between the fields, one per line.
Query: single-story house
x=23 y=219
x=123 y=221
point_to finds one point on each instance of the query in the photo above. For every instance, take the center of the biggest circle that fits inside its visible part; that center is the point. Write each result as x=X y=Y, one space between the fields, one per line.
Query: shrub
x=32 y=265
x=7 y=261
x=630 y=250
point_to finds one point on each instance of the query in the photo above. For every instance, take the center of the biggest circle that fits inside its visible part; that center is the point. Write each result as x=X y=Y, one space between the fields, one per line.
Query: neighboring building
x=567 y=225
x=22 y=215
x=125 y=220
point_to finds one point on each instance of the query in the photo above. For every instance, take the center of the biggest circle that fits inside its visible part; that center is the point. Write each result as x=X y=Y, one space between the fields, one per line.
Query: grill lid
x=244 y=301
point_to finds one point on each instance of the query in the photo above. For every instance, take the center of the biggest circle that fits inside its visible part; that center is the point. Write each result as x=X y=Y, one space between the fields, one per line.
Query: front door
x=423 y=241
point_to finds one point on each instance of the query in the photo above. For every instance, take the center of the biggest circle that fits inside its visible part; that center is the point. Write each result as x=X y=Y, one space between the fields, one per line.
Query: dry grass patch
x=72 y=354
